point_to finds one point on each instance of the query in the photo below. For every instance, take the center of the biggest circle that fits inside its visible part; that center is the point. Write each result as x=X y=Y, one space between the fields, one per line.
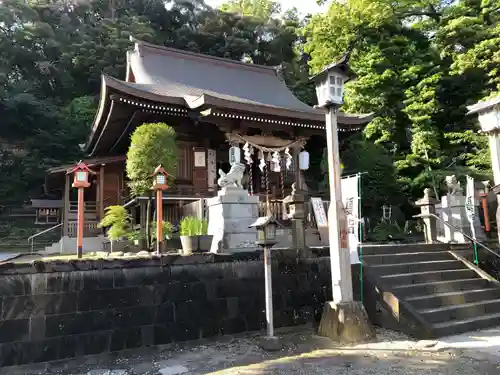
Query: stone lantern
x=488 y=113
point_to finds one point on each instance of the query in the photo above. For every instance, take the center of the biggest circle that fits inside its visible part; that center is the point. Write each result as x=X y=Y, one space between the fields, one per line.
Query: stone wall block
x=62 y=282
x=15 y=285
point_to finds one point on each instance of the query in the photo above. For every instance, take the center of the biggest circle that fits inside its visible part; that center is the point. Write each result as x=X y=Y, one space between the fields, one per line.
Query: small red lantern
x=81 y=175
x=160 y=178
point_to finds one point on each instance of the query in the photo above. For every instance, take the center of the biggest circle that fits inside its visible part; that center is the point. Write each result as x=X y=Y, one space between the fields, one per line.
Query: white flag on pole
x=351 y=200
x=470 y=206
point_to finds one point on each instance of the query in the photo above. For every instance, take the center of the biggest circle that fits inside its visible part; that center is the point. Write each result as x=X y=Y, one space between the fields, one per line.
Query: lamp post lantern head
x=160 y=178
x=81 y=175
x=488 y=113
x=266 y=230
x=330 y=83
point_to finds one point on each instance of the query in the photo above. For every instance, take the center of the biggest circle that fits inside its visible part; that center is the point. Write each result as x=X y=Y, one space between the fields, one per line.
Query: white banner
x=351 y=200
x=470 y=205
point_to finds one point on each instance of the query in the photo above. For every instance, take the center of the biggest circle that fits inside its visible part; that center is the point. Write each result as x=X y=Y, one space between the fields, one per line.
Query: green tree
x=379 y=181
x=150 y=146
x=262 y=9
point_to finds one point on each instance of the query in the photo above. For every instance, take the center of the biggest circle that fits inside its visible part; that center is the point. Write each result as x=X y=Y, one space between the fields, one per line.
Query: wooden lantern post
x=159 y=184
x=343 y=319
x=81 y=181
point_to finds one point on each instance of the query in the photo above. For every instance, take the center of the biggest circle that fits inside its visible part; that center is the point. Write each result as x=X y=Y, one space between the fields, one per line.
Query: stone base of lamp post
x=270 y=343
x=346 y=323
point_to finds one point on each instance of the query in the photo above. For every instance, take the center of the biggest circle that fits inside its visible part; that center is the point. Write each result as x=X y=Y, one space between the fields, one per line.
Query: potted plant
x=190 y=239
x=166 y=229
x=205 y=238
x=135 y=236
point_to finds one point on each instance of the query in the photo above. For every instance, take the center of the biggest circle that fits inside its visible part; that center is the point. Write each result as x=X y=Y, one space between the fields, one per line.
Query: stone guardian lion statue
x=233 y=177
x=453 y=185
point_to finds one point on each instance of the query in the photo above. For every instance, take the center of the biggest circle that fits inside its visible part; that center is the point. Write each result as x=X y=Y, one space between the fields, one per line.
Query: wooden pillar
x=100 y=192
x=66 y=205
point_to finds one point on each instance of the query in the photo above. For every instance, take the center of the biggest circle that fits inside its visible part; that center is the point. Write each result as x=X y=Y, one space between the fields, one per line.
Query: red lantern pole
x=159 y=220
x=81 y=211
x=159 y=184
x=81 y=181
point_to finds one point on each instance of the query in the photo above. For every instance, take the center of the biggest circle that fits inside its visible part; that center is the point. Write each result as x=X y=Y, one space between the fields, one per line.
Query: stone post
x=296 y=208
x=427 y=206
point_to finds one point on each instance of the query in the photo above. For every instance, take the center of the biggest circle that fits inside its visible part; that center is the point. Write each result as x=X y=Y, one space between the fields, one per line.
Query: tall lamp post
x=343 y=318
x=81 y=181
x=159 y=185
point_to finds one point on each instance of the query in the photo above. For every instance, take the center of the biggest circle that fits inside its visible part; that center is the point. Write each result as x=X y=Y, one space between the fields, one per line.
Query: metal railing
x=31 y=240
x=470 y=238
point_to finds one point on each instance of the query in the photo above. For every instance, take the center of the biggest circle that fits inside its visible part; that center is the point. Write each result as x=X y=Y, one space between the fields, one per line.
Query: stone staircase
x=428 y=291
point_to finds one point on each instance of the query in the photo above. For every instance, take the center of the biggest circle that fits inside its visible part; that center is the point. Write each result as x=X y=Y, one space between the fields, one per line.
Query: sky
x=304 y=6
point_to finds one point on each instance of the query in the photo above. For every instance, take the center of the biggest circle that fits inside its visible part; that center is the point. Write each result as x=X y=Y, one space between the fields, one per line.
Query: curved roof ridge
x=142 y=46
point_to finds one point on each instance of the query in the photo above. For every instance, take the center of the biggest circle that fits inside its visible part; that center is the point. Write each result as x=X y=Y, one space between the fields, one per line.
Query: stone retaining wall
x=57 y=310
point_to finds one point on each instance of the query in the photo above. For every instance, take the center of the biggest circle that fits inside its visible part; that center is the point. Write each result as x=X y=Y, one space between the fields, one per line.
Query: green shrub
x=166 y=229
x=118 y=221
x=193 y=226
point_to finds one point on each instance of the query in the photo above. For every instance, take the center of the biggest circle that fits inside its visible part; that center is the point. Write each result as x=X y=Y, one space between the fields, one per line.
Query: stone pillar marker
x=488 y=113
x=427 y=206
x=231 y=213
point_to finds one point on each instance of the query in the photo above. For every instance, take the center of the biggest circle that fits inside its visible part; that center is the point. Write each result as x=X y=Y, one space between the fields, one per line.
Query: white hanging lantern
x=262 y=163
x=303 y=160
x=288 y=158
x=275 y=162
x=234 y=155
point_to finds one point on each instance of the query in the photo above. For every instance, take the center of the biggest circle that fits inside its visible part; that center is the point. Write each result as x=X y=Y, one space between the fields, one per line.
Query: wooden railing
x=48 y=215
x=90 y=206
x=90 y=229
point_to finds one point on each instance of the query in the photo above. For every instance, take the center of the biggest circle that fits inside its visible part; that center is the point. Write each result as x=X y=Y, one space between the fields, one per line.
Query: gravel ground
x=302 y=353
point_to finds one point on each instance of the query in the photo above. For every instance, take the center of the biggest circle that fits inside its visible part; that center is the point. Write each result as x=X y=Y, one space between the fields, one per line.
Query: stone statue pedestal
x=229 y=216
x=459 y=218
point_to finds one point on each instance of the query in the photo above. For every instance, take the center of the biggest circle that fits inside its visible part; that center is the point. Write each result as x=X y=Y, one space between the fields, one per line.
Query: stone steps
x=438 y=293
x=418 y=267
x=466 y=325
x=460 y=311
x=383 y=259
x=454 y=298
x=433 y=288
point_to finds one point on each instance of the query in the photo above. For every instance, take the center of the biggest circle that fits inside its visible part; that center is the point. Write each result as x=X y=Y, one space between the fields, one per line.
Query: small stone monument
x=427 y=206
x=231 y=213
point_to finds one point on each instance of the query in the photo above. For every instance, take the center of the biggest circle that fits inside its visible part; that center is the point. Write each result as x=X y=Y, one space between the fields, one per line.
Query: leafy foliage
x=193 y=226
x=418 y=64
x=379 y=182
x=118 y=221
x=166 y=228
x=150 y=145
x=52 y=54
